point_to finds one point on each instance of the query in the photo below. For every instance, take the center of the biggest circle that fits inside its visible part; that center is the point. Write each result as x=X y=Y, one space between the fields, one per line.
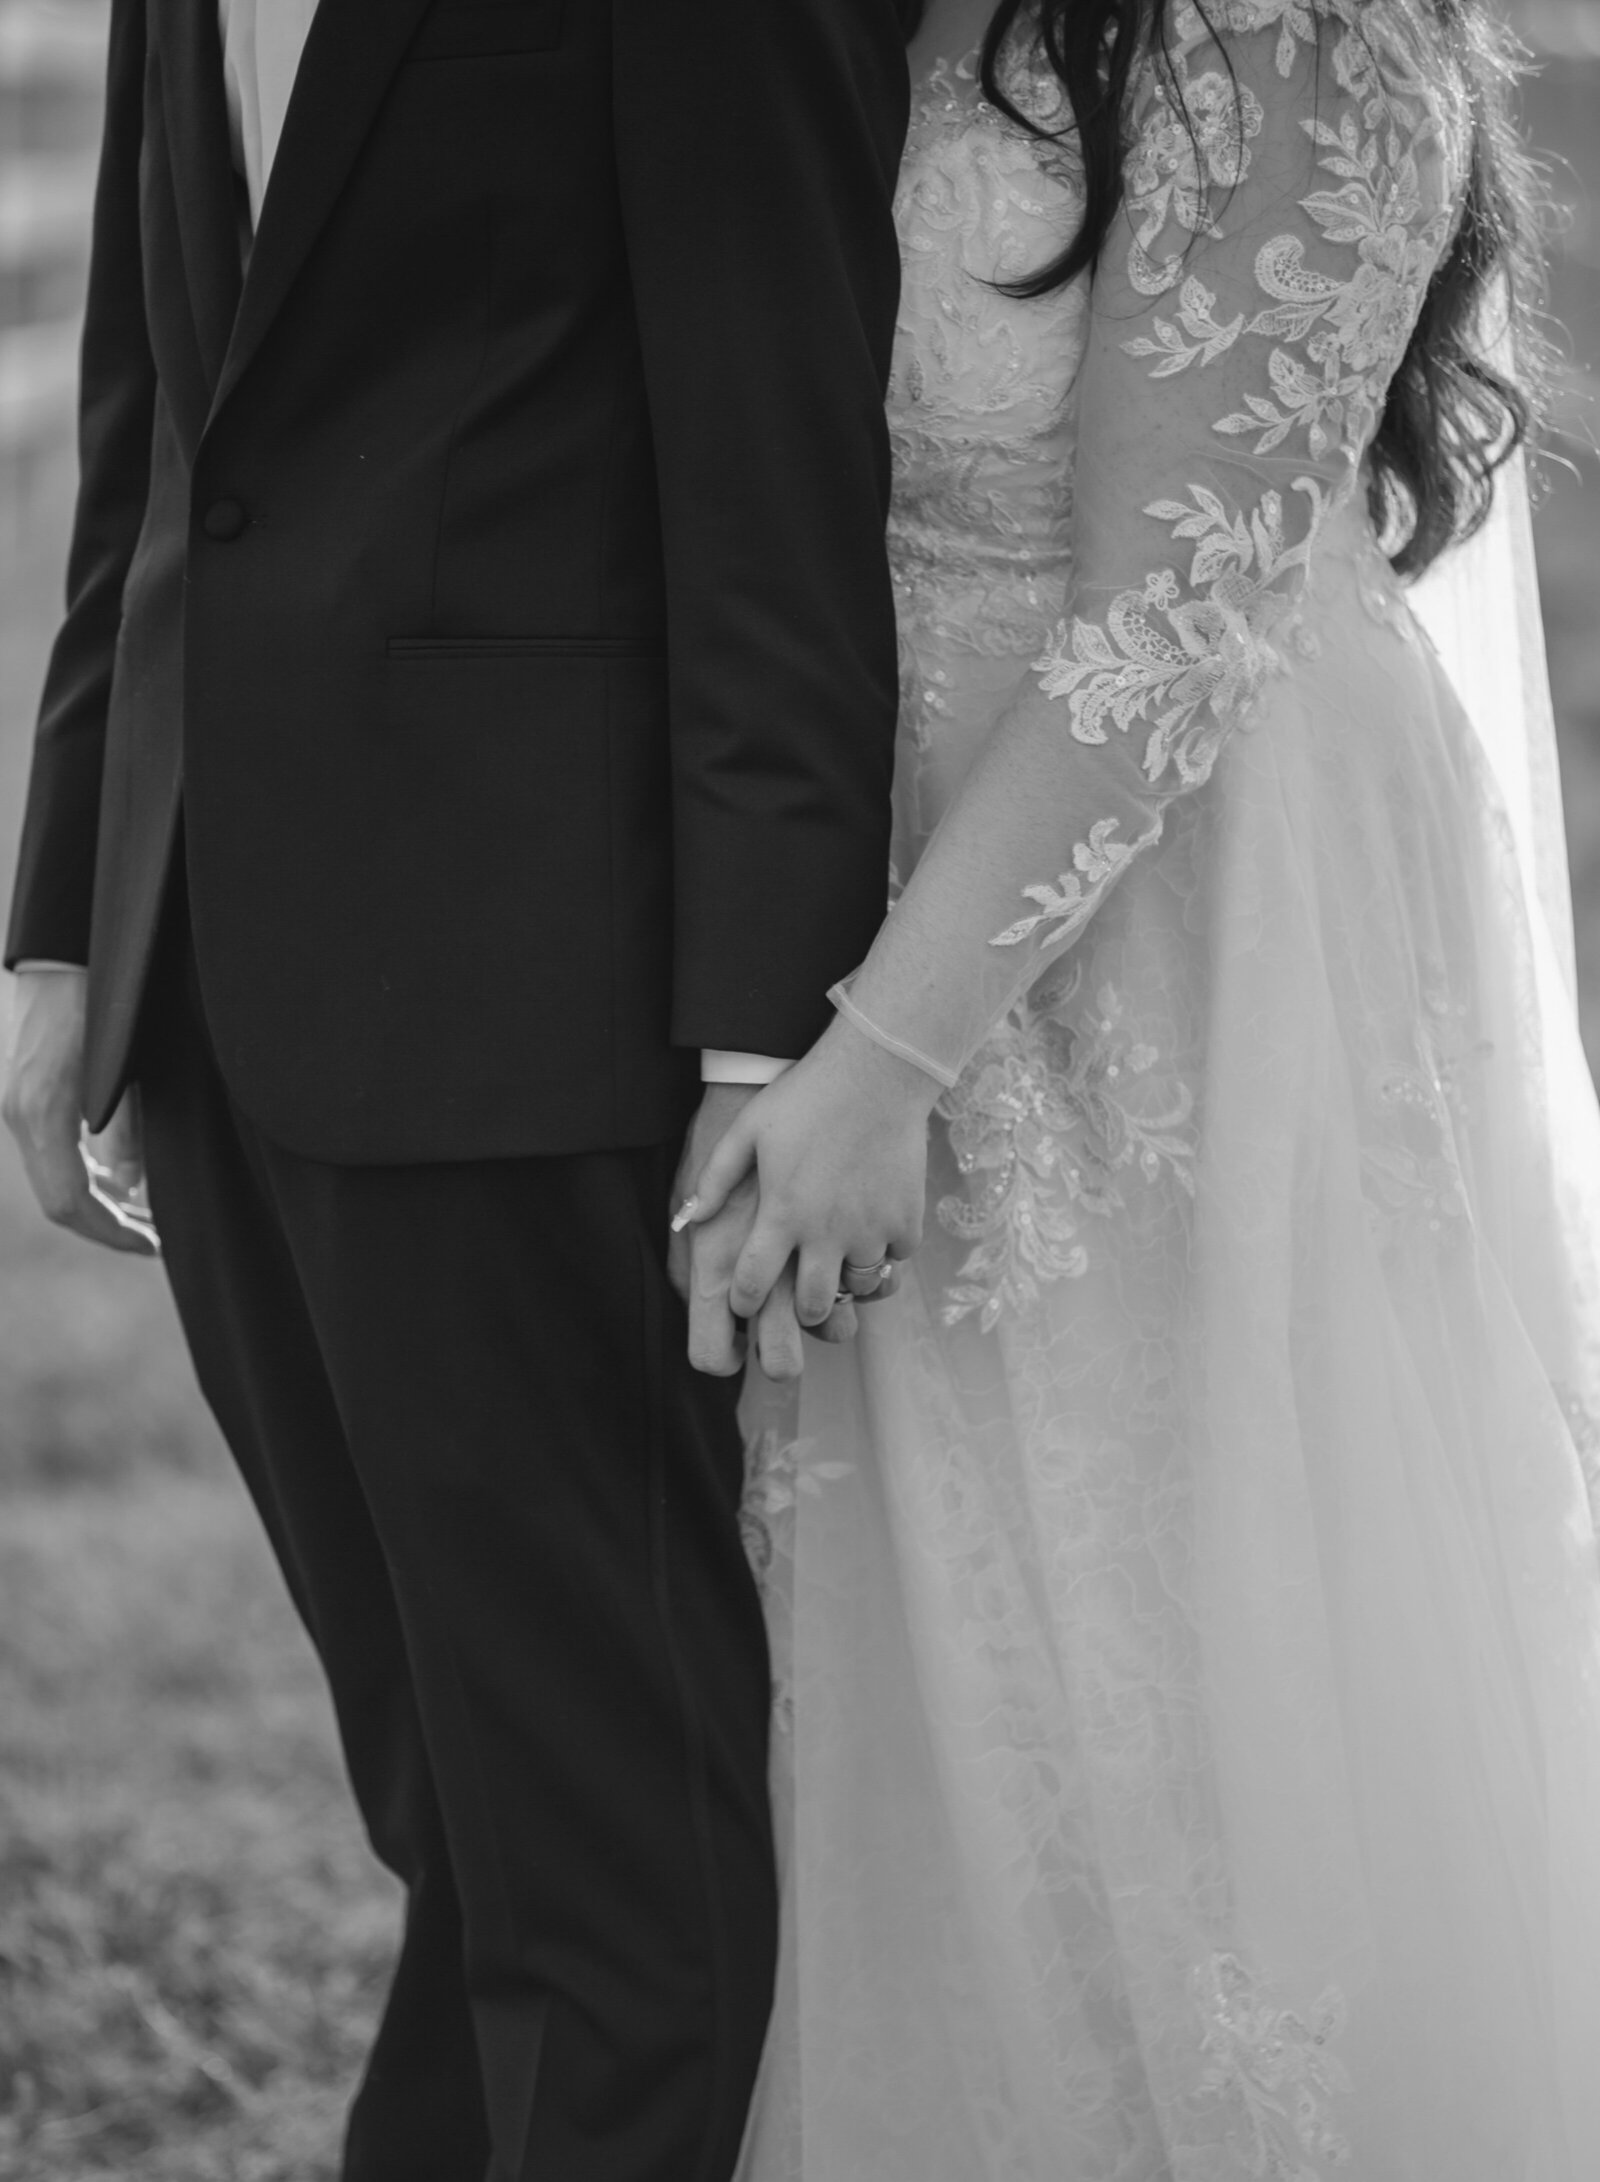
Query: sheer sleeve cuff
x=840 y=996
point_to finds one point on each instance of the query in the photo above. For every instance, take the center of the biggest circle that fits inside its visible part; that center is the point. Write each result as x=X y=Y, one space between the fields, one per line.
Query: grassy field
x=193 y=1939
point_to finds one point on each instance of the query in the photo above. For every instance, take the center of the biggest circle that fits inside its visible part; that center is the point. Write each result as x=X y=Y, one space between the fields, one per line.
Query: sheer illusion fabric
x=1185 y=1596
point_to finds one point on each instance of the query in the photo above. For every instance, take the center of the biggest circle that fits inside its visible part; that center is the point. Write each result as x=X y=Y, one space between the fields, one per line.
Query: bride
x=1185 y=1594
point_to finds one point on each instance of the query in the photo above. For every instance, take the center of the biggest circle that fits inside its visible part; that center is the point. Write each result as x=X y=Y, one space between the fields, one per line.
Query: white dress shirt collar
x=262 y=41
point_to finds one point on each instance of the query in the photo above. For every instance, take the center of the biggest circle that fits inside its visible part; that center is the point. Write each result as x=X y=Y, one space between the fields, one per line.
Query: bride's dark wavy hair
x=1470 y=388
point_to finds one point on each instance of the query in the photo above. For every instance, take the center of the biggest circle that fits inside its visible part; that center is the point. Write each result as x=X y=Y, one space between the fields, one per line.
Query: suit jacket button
x=225 y=520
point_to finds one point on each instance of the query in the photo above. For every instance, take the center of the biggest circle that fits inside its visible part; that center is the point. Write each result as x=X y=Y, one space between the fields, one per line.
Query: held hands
x=701 y=1262
x=43 y=1105
x=824 y=1166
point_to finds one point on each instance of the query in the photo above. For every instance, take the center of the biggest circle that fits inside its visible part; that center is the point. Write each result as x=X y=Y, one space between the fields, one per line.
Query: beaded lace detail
x=1276 y=2070
x=1068 y=1109
x=979 y=406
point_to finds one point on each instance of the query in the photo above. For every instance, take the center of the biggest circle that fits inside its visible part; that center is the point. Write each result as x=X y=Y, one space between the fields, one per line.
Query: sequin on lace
x=1583 y=1423
x=1276 y=2071
x=1419 y=1105
x=981 y=434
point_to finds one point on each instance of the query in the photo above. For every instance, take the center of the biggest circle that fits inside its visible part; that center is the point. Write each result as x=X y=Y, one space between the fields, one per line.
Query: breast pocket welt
x=467 y=30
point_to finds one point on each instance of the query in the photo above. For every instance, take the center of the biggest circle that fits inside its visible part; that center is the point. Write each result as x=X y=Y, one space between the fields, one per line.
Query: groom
x=472 y=726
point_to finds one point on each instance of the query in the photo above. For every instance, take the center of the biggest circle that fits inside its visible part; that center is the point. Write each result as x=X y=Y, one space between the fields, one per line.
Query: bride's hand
x=839 y=1148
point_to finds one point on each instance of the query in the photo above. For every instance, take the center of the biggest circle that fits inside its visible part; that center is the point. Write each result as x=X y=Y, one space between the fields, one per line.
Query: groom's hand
x=697 y=1269
x=43 y=1106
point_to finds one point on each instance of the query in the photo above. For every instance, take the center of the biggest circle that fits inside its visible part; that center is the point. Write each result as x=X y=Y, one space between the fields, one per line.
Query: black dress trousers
x=508 y=1512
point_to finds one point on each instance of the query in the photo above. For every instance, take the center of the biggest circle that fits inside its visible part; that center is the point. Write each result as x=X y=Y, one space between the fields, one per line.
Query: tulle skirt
x=1185 y=1596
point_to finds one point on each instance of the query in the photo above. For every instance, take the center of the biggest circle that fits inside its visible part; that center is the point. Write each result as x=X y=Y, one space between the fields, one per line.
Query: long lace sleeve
x=1287 y=199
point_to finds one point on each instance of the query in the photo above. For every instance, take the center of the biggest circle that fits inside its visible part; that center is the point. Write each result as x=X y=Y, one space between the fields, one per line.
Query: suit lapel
x=352 y=51
x=202 y=170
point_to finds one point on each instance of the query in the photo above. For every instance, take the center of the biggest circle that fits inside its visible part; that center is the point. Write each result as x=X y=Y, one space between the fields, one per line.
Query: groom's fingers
x=817 y=1286
x=61 y=1184
x=761 y=1264
x=120 y=1146
x=778 y=1344
x=840 y=1325
x=716 y=1337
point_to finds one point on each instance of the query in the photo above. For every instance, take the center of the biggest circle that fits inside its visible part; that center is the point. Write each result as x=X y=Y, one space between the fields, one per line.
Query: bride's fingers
x=839 y=1326
x=722 y=1173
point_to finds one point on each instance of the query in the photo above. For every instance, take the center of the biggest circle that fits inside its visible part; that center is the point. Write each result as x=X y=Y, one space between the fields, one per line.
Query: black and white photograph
x=800 y=1192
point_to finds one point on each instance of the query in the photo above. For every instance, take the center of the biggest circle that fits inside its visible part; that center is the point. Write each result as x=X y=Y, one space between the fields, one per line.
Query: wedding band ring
x=886 y=1287
x=873 y=1282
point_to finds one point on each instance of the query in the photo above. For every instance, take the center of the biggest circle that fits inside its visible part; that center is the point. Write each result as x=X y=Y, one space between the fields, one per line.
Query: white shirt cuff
x=717 y=1067
x=32 y=964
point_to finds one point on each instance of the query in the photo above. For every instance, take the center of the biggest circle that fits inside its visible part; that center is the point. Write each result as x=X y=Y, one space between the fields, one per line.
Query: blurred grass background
x=193 y=1939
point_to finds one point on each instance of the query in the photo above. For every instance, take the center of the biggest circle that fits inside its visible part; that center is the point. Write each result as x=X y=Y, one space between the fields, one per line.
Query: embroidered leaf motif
x=1206 y=340
x=1076 y=894
x=1049 y=1125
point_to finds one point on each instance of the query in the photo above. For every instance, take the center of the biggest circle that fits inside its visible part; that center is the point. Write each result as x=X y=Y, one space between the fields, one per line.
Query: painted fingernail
x=684 y=1214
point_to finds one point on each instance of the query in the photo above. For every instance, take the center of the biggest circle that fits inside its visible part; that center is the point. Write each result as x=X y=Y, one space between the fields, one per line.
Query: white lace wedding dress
x=1185 y=1597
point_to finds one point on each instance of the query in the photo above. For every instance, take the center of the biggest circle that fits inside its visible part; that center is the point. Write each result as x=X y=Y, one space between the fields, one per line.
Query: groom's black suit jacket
x=496 y=580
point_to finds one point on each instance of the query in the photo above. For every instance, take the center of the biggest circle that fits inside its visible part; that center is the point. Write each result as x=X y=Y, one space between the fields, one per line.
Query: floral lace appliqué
x=1193 y=676
x=1187 y=656
x=981 y=517
x=1337 y=338
x=778 y=1471
x=1185 y=663
x=1072 y=898
x=1047 y=1125
x=1352 y=331
x=1275 y=2069
x=1183 y=160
